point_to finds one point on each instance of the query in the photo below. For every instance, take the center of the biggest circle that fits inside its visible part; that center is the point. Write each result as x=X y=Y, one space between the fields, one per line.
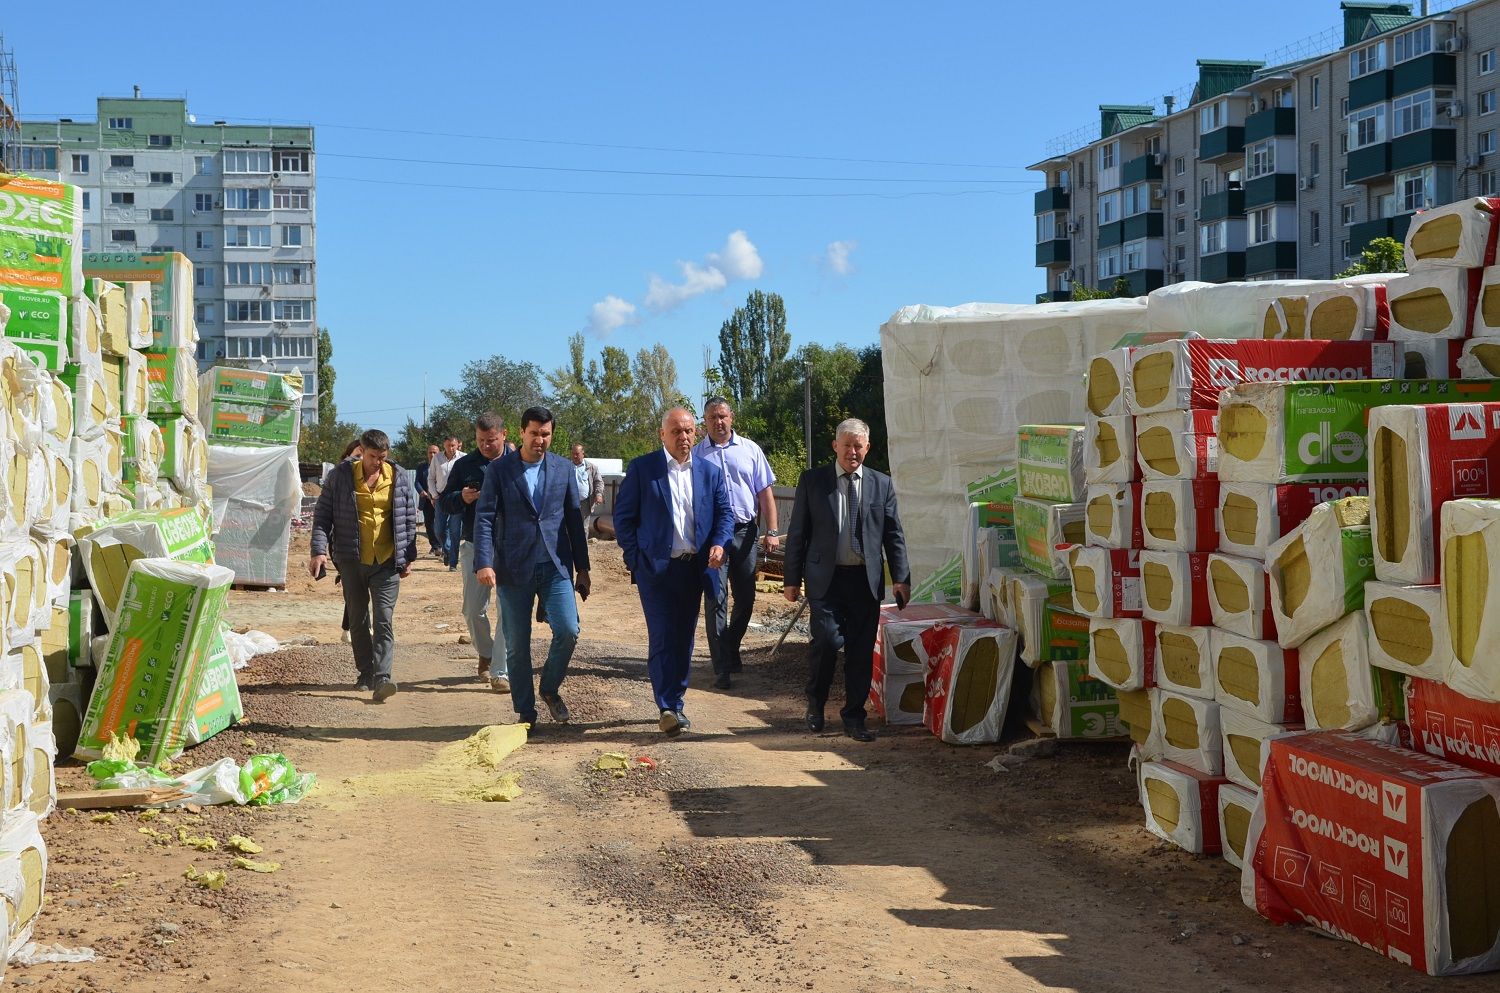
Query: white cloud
x=739 y=259
x=838 y=258
x=609 y=314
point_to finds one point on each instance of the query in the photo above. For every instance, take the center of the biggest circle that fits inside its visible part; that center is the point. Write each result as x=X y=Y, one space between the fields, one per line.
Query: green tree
x=865 y=399
x=752 y=344
x=1380 y=255
x=613 y=404
x=325 y=440
x=327 y=409
x=1082 y=291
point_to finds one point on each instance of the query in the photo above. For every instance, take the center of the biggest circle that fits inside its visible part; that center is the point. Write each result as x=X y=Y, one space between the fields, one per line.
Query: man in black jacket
x=458 y=498
x=424 y=501
x=844 y=529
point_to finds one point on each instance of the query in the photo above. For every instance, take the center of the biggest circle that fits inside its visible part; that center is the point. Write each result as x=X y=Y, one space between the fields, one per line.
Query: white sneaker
x=500 y=684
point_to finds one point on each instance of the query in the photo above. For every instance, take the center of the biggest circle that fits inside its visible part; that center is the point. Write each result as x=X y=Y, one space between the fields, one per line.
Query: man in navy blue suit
x=528 y=540
x=672 y=520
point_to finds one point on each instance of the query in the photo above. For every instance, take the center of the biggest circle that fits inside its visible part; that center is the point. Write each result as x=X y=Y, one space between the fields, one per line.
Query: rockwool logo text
x=1294 y=374
x=1338 y=779
x=1331 y=829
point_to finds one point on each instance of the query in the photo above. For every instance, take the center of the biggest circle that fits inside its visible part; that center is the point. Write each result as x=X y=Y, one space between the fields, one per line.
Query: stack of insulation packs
x=252 y=420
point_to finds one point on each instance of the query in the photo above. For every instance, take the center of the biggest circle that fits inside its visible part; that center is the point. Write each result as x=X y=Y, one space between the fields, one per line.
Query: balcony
x=1147 y=225
x=1221 y=144
x=1054 y=296
x=1221 y=267
x=1422 y=147
x=1142 y=169
x=1055 y=252
x=1272 y=256
x=1432 y=69
x=1371 y=88
x=1225 y=203
x=1278 y=187
x=1142 y=281
x=1111 y=235
x=1272 y=122
x=1370 y=162
x=1361 y=235
x=1052 y=198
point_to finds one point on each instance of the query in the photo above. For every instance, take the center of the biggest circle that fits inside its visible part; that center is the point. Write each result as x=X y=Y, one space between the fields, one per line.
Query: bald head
x=678 y=431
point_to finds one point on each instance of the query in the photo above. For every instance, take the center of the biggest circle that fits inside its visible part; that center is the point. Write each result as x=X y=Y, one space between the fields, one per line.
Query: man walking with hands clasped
x=528 y=540
x=459 y=498
x=843 y=530
x=672 y=520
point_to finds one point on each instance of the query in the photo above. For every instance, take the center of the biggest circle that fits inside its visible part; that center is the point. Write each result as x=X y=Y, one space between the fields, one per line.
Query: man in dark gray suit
x=844 y=529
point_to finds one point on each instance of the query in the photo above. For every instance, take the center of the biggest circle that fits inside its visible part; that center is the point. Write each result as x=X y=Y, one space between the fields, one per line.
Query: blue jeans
x=453 y=537
x=556 y=593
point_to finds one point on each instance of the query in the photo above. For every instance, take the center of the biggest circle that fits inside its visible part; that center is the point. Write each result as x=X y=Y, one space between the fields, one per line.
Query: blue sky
x=417 y=274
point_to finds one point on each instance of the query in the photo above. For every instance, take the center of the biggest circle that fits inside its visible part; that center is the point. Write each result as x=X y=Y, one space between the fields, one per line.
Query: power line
x=652 y=172
x=627 y=193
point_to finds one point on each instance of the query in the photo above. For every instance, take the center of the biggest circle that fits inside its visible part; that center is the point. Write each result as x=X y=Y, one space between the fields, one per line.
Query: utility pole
x=424 y=400
x=807 y=409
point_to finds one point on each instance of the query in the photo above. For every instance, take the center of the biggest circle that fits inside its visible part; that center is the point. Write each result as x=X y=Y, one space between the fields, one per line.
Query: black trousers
x=726 y=627
x=845 y=617
x=428 y=510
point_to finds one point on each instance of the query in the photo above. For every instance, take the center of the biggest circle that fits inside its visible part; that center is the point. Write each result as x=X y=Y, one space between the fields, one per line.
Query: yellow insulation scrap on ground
x=1470 y=538
x=1318 y=570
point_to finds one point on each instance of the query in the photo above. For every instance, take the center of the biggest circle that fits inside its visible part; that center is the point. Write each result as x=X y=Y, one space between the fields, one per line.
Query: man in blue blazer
x=672 y=520
x=528 y=540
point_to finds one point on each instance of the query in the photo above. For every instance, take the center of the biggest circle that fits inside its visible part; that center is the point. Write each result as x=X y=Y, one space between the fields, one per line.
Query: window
x=1487 y=185
x=203 y=202
x=1346 y=214
x=38 y=159
x=1367 y=127
x=1486 y=102
x=1366 y=60
x=122 y=161
x=291 y=234
x=1314 y=159
x=1415 y=189
x=1109 y=208
x=1415 y=111
x=1413 y=44
x=80 y=163
x=1211 y=116
x=1315 y=227
x=247 y=274
x=1179 y=197
x=1262 y=225
x=203 y=313
x=293 y=274
x=165 y=249
x=159 y=140
x=1486 y=62
x=1344 y=248
x=121 y=199
x=1137 y=200
x=121 y=124
x=1211 y=238
x=203 y=276
x=1344 y=107
x=1207 y=185
x=244 y=160
x=1317 y=91
x=247 y=199
x=291 y=198
x=1049 y=227
x=291 y=161
x=293 y=310
x=293 y=347
x=1180 y=254
x=247 y=310
x=1153 y=145
x=1109 y=264
x=1179 y=165
x=122 y=236
x=1486 y=142
x=247 y=236
x=1260 y=159
x=1181 y=225
x=203 y=165
x=1344 y=142
x=1344 y=178
x=87 y=199
x=88 y=240
x=1107 y=156
x=203 y=239
x=1135 y=256
x=1282 y=97
x=243 y=348
x=162 y=214
x=161 y=178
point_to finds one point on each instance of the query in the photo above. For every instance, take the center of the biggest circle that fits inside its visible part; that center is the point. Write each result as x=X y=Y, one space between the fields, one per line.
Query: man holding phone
x=844 y=529
x=458 y=499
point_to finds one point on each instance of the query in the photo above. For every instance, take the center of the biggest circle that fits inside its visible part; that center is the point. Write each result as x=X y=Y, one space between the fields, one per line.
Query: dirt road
x=755 y=856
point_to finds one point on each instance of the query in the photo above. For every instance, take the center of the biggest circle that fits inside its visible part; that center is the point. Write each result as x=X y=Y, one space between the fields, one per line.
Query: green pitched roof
x=1114 y=118
x=1390 y=22
x=1220 y=76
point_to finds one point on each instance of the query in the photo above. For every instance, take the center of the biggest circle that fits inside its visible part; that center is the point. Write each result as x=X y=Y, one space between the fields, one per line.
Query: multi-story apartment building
x=1280 y=171
x=238 y=200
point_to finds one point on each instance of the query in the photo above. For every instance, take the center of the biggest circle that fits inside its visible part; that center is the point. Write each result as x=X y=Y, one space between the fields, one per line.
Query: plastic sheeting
x=257 y=492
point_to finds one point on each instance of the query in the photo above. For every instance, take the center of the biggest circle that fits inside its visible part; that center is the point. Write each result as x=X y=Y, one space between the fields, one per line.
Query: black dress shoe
x=683 y=724
x=363 y=684
x=814 y=718
x=857 y=731
x=722 y=681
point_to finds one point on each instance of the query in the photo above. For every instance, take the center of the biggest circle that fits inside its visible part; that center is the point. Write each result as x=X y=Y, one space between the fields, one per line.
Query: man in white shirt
x=448 y=526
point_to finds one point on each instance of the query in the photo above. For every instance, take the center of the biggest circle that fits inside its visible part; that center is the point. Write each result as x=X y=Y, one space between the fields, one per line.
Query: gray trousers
x=477 y=600
x=370 y=599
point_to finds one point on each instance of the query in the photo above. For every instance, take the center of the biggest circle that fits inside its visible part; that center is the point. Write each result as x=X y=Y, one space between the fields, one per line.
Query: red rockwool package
x=1181 y=514
x=1182 y=805
x=1375 y=844
x=1452 y=726
x=1178 y=444
x=1422 y=456
x=1174 y=588
x=1181 y=375
x=969 y=672
x=1106 y=581
x=897 y=686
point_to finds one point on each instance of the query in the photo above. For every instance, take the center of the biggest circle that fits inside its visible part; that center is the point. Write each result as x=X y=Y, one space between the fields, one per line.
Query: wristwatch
x=773 y=533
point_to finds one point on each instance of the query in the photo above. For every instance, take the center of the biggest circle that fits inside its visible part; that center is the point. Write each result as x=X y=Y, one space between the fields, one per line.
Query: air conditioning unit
x=1454 y=109
x=1472 y=161
x=1068 y=275
x=1307 y=183
x=1072 y=227
x=1454 y=44
x=1157 y=158
x=1195 y=215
